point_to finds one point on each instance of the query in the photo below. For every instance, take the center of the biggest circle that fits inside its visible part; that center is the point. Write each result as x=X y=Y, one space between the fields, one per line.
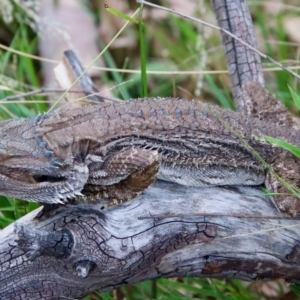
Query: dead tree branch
x=79 y=249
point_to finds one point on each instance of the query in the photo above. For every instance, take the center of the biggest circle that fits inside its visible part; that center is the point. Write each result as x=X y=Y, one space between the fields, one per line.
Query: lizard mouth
x=45 y=188
x=60 y=189
x=47 y=178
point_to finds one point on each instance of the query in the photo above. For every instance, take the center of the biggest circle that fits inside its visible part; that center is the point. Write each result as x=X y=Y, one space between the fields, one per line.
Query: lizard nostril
x=47 y=178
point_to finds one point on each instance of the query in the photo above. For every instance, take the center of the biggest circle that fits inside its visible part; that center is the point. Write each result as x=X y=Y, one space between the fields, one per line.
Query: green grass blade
x=121 y=15
x=282 y=144
x=143 y=55
x=224 y=101
x=295 y=97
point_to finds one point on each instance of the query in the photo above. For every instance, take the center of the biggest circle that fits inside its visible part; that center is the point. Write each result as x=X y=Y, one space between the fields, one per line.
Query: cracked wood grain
x=79 y=249
x=243 y=63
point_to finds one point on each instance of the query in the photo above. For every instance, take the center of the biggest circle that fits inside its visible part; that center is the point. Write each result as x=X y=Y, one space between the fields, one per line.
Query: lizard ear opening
x=47 y=178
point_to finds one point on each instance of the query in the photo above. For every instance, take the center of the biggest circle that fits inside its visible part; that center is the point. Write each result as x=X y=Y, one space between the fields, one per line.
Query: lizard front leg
x=287 y=167
x=122 y=176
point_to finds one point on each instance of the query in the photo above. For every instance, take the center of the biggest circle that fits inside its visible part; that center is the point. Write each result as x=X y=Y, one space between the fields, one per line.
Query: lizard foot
x=143 y=165
x=287 y=167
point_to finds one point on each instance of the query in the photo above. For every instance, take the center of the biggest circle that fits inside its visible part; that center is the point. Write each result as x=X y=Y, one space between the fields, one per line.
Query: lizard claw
x=78 y=194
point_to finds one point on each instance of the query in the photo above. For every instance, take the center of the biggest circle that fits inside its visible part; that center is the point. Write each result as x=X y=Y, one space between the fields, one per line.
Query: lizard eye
x=47 y=178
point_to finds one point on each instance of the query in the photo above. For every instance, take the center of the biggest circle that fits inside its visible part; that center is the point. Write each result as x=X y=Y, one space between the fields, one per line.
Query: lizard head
x=29 y=171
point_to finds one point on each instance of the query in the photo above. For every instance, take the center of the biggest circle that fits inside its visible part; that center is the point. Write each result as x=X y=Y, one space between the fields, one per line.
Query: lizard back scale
x=116 y=150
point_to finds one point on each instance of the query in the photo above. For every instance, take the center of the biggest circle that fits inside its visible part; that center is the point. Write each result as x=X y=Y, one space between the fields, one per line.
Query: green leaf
x=119 y=14
x=282 y=144
x=295 y=97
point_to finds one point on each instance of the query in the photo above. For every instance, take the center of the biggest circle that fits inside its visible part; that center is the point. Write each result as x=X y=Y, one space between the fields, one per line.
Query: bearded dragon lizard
x=116 y=150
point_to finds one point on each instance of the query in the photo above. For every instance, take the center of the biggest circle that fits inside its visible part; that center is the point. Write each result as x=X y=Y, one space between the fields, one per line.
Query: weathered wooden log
x=168 y=231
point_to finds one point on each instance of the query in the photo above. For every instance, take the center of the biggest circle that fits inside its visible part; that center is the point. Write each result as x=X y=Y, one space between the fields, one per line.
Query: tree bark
x=243 y=63
x=212 y=232
x=168 y=231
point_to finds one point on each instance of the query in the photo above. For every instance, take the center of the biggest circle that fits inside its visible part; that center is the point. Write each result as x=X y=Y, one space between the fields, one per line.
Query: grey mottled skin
x=116 y=150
